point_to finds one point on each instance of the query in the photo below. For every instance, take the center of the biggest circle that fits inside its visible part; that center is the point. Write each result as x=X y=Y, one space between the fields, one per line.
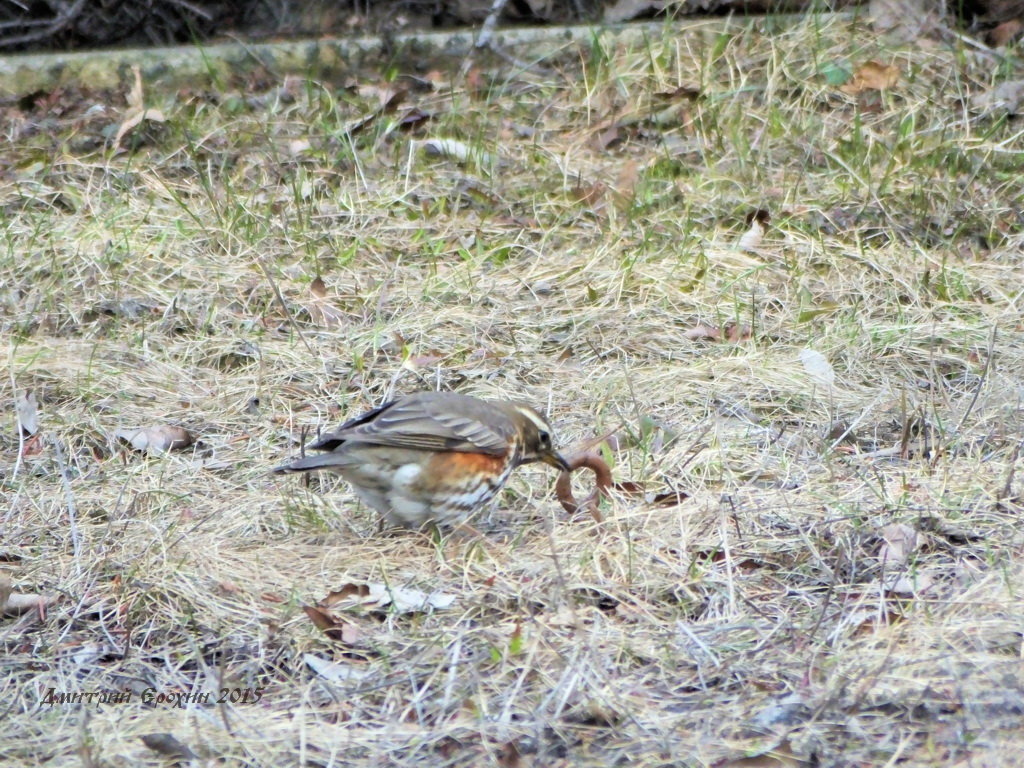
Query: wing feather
x=428 y=421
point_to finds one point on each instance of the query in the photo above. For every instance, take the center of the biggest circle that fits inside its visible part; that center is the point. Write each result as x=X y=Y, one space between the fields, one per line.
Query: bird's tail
x=311 y=464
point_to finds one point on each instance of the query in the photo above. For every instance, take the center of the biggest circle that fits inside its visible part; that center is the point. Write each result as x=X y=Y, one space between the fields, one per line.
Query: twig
x=284 y=305
x=1007 y=488
x=483 y=40
x=76 y=537
x=981 y=382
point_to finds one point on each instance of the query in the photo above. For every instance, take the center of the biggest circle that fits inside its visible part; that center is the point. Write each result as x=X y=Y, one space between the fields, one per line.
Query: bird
x=432 y=457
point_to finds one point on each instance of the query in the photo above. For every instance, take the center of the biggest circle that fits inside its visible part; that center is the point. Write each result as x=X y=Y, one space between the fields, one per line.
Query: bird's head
x=536 y=442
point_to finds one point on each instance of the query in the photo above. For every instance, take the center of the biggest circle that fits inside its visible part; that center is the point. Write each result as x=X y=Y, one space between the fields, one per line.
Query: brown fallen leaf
x=625 y=183
x=137 y=112
x=592 y=195
x=665 y=499
x=333 y=627
x=321 y=310
x=155 y=440
x=1006 y=33
x=426 y=360
x=608 y=136
x=872 y=76
x=413 y=118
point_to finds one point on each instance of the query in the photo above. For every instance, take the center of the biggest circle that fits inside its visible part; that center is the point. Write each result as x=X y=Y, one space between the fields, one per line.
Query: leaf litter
x=680 y=630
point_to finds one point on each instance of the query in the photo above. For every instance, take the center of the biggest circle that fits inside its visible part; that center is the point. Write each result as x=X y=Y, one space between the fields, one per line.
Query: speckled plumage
x=432 y=457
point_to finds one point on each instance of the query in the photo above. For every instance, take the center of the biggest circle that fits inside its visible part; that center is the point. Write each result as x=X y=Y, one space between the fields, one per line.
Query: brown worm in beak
x=602 y=482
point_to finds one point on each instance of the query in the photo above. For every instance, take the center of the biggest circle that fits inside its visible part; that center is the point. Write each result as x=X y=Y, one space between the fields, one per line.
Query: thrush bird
x=432 y=457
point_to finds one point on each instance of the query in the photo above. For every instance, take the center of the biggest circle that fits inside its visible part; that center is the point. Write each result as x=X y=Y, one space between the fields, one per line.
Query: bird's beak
x=554 y=459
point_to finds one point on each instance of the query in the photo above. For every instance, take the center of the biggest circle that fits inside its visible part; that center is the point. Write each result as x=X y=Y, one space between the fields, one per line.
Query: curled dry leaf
x=757 y=225
x=137 y=111
x=872 y=76
x=159 y=439
x=333 y=627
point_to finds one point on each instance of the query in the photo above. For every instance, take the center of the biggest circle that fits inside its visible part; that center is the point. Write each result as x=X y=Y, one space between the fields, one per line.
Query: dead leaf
x=426 y=360
x=336 y=672
x=1006 y=33
x=390 y=100
x=591 y=195
x=1005 y=98
x=137 y=112
x=155 y=440
x=818 y=369
x=757 y=225
x=684 y=92
x=377 y=596
x=901 y=541
x=908 y=585
x=413 y=118
x=333 y=627
x=625 y=184
x=779 y=756
x=25 y=407
x=321 y=310
x=872 y=76
x=509 y=755
x=608 y=136
x=731 y=332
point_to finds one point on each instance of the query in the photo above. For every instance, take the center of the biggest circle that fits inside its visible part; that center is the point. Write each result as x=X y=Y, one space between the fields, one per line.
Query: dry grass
x=140 y=287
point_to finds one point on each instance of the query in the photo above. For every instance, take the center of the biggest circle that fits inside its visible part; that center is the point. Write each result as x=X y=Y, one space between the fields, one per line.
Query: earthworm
x=602 y=482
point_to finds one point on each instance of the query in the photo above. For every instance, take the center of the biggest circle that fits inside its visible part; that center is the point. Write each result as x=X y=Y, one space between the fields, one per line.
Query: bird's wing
x=432 y=423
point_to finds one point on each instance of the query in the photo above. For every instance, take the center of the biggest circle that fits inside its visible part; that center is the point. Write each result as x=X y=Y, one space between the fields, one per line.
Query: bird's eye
x=545 y=439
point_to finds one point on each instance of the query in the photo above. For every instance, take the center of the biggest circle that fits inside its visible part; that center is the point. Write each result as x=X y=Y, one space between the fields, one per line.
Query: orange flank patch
x=455 y=464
